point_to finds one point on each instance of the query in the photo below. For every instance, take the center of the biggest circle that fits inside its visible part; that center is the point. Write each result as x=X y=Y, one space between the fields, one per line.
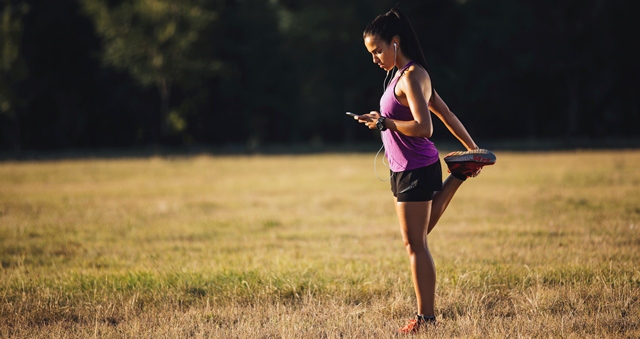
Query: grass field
x=541 y=245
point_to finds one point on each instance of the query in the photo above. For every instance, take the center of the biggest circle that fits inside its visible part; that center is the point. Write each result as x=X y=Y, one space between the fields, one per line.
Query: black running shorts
x=417 y=184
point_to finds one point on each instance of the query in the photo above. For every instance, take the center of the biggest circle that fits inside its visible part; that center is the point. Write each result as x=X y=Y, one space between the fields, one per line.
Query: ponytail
x=394 y=23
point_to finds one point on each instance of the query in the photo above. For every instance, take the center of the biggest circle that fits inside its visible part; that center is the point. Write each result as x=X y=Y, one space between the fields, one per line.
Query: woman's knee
x=414 y=246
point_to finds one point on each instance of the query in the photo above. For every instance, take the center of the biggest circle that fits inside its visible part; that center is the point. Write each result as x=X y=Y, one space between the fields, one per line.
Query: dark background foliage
x=258 y=72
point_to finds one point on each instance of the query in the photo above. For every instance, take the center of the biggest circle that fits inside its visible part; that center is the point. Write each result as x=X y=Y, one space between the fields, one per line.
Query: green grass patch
x=539 y=245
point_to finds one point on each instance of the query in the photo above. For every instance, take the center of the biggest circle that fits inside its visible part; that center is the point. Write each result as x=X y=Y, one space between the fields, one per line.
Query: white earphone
x=395 y=55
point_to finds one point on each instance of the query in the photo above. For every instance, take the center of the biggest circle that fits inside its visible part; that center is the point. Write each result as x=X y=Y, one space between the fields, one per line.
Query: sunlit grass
x=539 y=245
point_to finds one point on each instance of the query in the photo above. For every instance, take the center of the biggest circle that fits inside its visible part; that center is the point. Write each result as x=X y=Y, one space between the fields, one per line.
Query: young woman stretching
x=405 y=123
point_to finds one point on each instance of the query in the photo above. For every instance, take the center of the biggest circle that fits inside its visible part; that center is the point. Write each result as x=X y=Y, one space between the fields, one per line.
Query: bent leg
x=414 y=218
x=441 y=200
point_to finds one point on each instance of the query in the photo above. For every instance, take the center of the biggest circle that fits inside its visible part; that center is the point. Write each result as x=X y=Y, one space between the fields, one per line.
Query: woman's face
x=381 y=51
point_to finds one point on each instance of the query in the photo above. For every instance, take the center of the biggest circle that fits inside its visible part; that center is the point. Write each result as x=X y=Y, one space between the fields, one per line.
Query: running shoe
x=416 y=325
x=469 y=163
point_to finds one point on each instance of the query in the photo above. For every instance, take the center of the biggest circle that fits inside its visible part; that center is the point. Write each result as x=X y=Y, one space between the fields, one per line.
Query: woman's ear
x=395 y=41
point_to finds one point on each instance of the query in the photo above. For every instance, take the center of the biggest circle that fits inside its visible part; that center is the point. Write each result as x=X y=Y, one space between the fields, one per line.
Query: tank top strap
x=406 y=66
x=433 y=91
x=396 y=77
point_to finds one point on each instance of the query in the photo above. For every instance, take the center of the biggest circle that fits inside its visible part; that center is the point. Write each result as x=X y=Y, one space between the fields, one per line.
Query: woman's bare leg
x=414 y=218
x=441 y=200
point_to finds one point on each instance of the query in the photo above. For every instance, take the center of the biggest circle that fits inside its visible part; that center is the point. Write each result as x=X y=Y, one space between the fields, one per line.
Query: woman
x=405 y=123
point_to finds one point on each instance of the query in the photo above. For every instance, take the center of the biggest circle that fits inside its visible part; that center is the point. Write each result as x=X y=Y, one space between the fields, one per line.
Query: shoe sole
x=481 y=156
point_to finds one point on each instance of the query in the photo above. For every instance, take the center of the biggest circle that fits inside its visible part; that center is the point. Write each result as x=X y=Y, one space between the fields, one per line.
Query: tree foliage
x=104 y=73
x=12 y=65
x=156 y=42
x=12 y=68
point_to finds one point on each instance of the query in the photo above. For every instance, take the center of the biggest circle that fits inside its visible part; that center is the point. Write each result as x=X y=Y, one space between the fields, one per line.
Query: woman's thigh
x=414 y=219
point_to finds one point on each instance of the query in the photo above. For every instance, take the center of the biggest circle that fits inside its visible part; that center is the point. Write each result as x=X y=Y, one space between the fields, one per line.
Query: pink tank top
x=403 y=153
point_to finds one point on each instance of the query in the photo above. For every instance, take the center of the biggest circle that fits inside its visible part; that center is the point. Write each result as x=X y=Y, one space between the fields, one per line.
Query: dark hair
x=393 y=23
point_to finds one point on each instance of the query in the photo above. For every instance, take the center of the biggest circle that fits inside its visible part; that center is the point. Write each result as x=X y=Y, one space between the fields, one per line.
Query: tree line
x=128 y=73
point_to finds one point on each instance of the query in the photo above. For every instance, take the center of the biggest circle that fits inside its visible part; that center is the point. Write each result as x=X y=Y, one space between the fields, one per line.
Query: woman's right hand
x=369 y=119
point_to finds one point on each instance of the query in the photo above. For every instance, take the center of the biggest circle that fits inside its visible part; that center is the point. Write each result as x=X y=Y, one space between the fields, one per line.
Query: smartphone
x=352 y=114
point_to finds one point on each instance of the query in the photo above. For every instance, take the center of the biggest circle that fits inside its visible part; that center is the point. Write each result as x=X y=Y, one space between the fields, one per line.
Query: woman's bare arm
x=442 y=111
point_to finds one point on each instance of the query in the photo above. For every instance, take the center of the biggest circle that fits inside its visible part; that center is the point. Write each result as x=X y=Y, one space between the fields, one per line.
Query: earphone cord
x=384 y=83
x=384 y=88
x=375 y=162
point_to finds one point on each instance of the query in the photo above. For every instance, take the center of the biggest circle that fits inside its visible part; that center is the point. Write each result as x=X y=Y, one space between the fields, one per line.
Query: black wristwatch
x=380 y=124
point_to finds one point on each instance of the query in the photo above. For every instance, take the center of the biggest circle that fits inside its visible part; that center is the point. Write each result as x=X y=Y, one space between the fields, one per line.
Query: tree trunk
x=164 y=90
x=572 y=111
x=15 y=136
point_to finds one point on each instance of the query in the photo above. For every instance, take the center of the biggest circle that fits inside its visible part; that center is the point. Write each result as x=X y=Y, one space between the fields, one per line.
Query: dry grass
x=542 y=245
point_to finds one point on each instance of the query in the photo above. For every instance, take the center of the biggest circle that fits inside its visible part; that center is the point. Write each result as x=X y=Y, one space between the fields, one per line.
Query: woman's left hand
x=369 y=119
